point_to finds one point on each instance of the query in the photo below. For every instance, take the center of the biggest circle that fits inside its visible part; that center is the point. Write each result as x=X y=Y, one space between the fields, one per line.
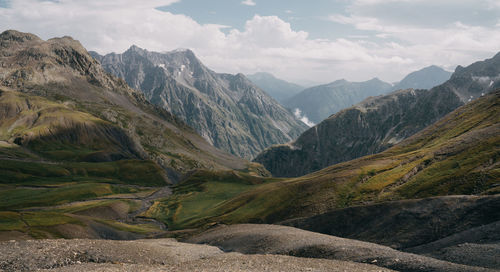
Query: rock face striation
x=378 y=123
x=227 y=110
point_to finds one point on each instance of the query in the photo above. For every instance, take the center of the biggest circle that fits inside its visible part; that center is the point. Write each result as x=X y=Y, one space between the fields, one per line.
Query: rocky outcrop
x=380 y=122
x=227 y=110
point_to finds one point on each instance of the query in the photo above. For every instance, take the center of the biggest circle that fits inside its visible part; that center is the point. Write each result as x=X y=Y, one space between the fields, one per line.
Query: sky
x=302 y=41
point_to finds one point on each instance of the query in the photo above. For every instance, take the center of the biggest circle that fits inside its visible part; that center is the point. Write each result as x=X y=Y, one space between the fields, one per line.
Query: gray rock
x=227 y=110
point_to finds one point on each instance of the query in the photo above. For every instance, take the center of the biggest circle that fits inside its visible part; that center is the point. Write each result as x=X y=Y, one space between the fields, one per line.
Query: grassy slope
x=71 y=135
x=457 y=155
x=199 y=197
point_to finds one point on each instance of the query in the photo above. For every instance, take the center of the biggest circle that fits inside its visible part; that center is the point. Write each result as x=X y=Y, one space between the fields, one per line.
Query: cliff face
x=379 y=122
x=59 y=103
x=227 y=110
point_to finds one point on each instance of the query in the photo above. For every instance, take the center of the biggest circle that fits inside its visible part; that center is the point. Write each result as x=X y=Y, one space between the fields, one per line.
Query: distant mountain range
x=319 y=102
x=227 y=110
x=425 y=78
x=277 y=88
x=378 y=123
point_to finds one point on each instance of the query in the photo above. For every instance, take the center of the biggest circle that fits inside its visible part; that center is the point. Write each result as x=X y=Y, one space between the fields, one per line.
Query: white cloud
x=298 y=114
x=455 y=43
x=248 y=3
x=266 y=43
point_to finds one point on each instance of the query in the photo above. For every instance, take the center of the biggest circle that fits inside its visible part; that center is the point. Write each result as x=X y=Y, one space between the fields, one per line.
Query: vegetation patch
x=199 y=197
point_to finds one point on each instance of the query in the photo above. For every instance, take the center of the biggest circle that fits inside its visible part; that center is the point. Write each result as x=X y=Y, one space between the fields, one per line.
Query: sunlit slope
x=457 y=155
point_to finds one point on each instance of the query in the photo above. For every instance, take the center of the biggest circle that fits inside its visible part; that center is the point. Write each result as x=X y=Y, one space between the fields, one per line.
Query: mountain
x=379 y=122
x=458 y=155
x=275 y=87
x=319 y=102
x=227 y=110
x=59 y=103
x=81 y=153
x=425 y=78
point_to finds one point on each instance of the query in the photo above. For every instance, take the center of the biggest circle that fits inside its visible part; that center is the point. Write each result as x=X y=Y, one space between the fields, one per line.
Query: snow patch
x=302 y=117
x=180 y=50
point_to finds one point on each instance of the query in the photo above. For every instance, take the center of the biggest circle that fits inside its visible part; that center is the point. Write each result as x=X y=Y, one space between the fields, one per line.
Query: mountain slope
x=379 y=122
x=317 y=103
x=457 y=155
x=57 y=99
x=275 y=87
x=425 y=78
x=227 y=110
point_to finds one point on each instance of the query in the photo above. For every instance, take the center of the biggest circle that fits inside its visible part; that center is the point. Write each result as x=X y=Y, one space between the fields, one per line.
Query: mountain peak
x=17 y=36
x=225 y=109
x=424 y=78
x=182 y=50
x=136 y=49
x=375 y=79
x=340 y=81
x=262 y=75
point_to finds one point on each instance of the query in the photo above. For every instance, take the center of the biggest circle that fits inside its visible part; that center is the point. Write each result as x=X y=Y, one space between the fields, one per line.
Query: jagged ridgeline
x=379 y=122
x=227 y=110
x=62 y=118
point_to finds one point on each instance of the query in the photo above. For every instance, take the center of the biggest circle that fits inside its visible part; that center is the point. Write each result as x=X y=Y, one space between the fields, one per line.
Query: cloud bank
x=389 y=48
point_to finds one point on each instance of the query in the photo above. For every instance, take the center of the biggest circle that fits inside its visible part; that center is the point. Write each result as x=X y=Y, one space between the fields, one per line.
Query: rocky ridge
x=227 y=110
x=379 y=122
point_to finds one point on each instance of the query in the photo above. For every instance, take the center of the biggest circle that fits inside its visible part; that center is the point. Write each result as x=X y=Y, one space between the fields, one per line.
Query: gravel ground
x=236 y=262
x=273 y=239
x=151 y=255
x=485 y=255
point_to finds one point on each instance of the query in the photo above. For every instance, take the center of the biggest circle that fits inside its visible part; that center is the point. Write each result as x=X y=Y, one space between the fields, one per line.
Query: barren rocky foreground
x=151 y=255
x=225 y=248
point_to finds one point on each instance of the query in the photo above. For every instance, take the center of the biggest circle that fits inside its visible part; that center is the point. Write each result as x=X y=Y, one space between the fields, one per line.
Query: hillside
x=227 y=110
x=378 y=123
x=457 y=155
x=70 y=134
x=277 y=88
x=319 y=102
